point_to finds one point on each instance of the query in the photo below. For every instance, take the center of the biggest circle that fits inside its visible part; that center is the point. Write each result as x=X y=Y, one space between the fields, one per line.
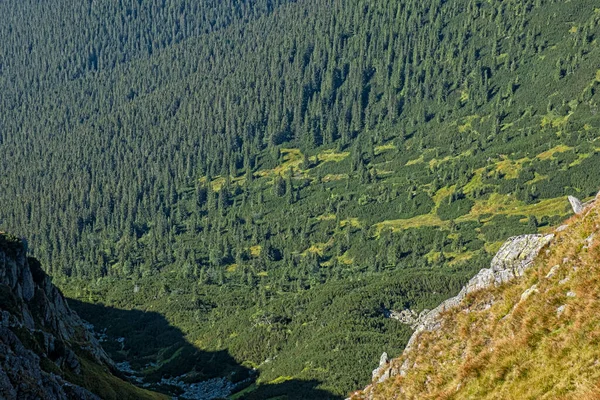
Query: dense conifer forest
x=271 y=175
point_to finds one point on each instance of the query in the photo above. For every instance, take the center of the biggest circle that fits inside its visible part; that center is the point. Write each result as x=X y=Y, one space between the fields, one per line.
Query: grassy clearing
x=330 y=156
x=334 y=177
x=353 y=222
x=231 y=268
x=510 y=168
x=537 y=178
x=475 y=183
x=318 y=248
x=255 y=250
x=443 y=193
x=549 y=154
x=240 y=395
x=97 y=379
x=555 y=121
x=580 y=158
x=452 y=258
x=292 y=160
x=415 y=222
x=508 y=205
x=415 y=161
x=326 y=217
x=383 y=148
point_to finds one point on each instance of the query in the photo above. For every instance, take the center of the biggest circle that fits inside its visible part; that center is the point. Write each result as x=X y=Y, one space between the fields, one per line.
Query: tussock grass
x=498 y=345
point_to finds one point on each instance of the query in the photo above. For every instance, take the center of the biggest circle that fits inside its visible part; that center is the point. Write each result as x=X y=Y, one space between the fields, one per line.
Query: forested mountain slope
x=242 y=166
x=531 y=338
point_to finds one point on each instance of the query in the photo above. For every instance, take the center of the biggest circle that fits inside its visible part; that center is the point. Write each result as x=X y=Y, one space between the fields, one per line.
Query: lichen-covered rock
x=576 y=204
x=383 y=362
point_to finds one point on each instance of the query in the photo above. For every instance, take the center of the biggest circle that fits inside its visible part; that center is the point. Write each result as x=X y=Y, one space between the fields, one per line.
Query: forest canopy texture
x=272 y=175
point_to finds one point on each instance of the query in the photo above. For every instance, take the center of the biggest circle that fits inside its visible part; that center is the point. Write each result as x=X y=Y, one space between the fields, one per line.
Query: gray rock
x=553 y=271
x=563 y=281
x=562 y=228
x=576 y=204
x=512 y=260
x=407 y=317
x=42 y=313
x=529 y=292
x=383 y=362
x=28 y=288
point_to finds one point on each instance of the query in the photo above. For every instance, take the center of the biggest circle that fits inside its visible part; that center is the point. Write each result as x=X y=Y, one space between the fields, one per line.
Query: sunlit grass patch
x=384 y=148
x=415 y=161
x=509 y=205
x=580 y=158
x=318 y=248
x=334 y=177
x=555 y=121
x=292 y=160
x=549 y=154
x=443 y=193
x=415 y=222
x=345 y=259
x=537 y=178
x=231 y=268
x=255 y=250
x=510 y=168
x=475 y=183
x=330 y=156
x=353 y=222
x=326 y=217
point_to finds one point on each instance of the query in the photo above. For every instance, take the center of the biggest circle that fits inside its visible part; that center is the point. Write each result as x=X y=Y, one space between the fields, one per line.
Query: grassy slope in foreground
x=541 y=345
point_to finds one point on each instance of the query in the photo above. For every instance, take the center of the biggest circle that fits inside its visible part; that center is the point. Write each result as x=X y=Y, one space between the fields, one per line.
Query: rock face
x=39 y=334
x=511 y=261
x=383 y=362
x=406 y=317
x=576 y=204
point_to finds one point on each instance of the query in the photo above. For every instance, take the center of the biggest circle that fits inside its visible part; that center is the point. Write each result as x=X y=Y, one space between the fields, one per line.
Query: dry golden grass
x=498 y=345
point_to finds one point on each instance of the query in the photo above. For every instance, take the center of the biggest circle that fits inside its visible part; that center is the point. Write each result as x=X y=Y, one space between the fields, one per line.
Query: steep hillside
x=532 y=337
x=46 y=351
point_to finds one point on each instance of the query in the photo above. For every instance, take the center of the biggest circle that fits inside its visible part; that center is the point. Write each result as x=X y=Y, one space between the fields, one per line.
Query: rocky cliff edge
x=447 y=345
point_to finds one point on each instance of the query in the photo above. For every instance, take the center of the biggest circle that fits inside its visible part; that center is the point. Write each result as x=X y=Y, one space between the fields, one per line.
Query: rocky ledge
x=511 y=261
x=41 y=339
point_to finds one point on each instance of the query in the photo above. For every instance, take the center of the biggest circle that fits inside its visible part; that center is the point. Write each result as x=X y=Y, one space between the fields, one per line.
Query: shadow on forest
x=149 y=339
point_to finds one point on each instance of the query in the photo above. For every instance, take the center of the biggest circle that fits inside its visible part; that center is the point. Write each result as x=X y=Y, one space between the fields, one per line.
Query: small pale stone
x=571 y=294
x=563 y=281
x=562 y=228
x=553 y=271
x=560 y=310
x=529 y=292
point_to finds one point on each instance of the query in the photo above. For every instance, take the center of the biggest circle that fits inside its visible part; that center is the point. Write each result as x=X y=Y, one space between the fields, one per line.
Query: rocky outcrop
x=512 y=260
x=379 y=372
x=407 y=317
x=40 y=337
x=576 y=204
